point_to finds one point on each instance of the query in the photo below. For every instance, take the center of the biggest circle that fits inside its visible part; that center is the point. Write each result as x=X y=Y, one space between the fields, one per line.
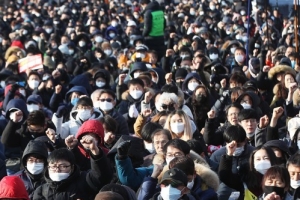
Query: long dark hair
x=200 y=109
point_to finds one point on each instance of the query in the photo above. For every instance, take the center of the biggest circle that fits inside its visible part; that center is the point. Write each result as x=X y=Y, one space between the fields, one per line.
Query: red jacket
x=12 y=187
x=92 y=126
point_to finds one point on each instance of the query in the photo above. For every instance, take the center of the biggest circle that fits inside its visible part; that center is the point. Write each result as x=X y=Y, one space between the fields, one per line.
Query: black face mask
x=200 y=98
x=278 y=190
x=179 y=84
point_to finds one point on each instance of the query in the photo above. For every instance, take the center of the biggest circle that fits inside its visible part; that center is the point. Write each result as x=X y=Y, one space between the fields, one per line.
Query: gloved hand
x=61 y=111
x=123 y=149
x=133 y=112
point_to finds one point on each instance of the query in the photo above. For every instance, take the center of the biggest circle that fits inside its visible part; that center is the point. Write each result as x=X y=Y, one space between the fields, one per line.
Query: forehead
x=172 y=149
x=260 y=153
x=105 y=95
x=293 y=168
x=60 y=162
x=160 y=137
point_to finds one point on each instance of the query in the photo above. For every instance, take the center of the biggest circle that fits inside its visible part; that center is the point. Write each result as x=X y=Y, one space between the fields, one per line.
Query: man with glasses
x=105 y=100
x=66 y=181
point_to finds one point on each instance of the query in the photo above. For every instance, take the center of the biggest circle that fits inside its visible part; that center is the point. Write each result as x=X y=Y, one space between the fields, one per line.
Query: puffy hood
x=82 y=80
x=12 y=187
x=280 y=144
x=161 y=76
x=16 y=103
x=280 y=69
x=79 y=89
x=91 y=126
x=35 y=147
x=138 y=66
x=109 y=29
x=104 y=74
x=254 y=97
x=188 y=78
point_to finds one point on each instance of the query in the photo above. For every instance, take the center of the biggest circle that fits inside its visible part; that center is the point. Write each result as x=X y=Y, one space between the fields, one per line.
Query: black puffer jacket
x=31 y=181
x=79 y=185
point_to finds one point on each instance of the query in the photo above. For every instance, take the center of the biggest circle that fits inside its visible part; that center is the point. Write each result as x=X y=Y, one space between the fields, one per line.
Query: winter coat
x=79 y=185
x=71 y=127
x=213 y=135
x=82 y=156
x=31 y=181
x=12 y=187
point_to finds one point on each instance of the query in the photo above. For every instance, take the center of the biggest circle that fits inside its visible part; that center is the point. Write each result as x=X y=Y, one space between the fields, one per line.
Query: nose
x=297 y=176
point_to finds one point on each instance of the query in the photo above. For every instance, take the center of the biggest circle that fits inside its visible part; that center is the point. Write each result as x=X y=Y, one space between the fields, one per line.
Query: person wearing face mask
x=111 y=32
x=83 y=111
x=191 y=81
x=141 y=54
x=276 y=184
x=239 y=58
x=34 y=160
x=280 y=149
x=34 y=102
x=250 y=175
x=293 y=167
x=33 y=82
x=89 y=129
x=64 y=178
x=250 y=100
x=105 y=100
x=102 y=79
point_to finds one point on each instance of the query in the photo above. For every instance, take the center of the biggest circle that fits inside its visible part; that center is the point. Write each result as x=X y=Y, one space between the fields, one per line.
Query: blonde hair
x=187 y=132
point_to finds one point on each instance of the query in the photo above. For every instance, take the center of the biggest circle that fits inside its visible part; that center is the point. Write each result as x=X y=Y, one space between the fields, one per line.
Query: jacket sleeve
x=101 y=172
x=211 y=135
x=226 y=175
x=148 y=188
x=122 y=128
x=272 y=133
x=7 y=98
x=123 y=108
x=10 y=136
x=119 y=90
x=138 y=125
x=128 y=175
x=260 y=136
x=54 y=101
x=38 y=193
x=61 y=128
x=147 y=23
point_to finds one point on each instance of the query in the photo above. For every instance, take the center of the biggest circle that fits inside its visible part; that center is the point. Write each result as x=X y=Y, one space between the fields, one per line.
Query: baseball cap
x=175 y=176
x=250 y=85
x=131 y=23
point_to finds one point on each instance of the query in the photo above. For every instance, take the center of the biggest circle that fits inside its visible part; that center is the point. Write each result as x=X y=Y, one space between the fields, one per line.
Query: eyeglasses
x=108 y=100
x=178 y=154
x=169 y=107
x=174 y=185
x=60 y=167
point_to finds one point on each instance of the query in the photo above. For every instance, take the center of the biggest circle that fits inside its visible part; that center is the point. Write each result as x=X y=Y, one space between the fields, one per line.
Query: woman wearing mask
x=190 y=83
x=180 y=126
x=276 y=183
x=200 y=105
x=248 y=180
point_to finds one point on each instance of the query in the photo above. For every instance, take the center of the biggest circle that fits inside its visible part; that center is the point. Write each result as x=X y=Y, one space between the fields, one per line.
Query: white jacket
x=71 y=127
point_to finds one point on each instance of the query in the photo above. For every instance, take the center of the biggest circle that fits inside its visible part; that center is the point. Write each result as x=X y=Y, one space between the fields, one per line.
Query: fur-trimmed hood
x=14 y=50
x=280 y=68
x=126 y=93
x=296 y=98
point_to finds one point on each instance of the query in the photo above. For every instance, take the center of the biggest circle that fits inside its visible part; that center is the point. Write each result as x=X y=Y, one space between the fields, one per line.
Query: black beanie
x=181 y=73
x=247 y=114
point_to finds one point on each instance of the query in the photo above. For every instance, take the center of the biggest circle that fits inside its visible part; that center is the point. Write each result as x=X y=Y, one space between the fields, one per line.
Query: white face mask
x=246 y=105
x=192 y=12
x=33 y=84
x=136 y=74
x=35 y=168
x=170 y=193
x=190 y=185
x=3 y=85
x=71 y=51
x=238 y=151
x=207 y=41
x=295 y=184
x=112 y=35
x=81 y=43
x=149 y=147
x=239 y=58
x=74 y=11
x=106 y=106
x=108 y=52
x=98 y=39
x=56 y=176
x=177 y=127
x=45 y=77
x=212 y=7
x=136 y=94
x=32 y=107
x=232 y=50
x=48 y=30
x=114 y=23
x=201 y=13
x=213 y=56
x=140 y=55
x=238 y=37
x=262 y=166
x=245 y=38
x=22 y=92
x=192 y=86
x=100 y=84
x=84 y=115
x=298 y=144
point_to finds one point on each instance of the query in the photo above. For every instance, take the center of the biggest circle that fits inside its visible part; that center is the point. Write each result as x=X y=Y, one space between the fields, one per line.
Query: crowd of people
x=160 y=100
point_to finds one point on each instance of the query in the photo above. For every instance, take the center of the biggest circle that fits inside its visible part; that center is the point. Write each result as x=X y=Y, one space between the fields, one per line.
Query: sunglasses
x=108 y=100
x=170 y=106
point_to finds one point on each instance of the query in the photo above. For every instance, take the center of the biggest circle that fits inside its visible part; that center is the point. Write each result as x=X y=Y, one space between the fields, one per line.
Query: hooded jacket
x=109 y=29
x=255 y=101
x=12 y=187
x=80 y=184
x=82 y=80
x=31 y=181
x=138 y=66
x=104 y=74
x=186 y=81
x=71 y=127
